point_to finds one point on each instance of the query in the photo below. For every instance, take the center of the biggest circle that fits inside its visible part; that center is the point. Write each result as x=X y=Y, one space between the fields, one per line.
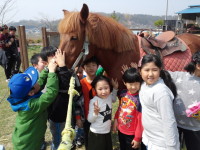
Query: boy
x=57 y=111
x=128 y=116
x=90 y=66
x=37 y=62
x=31 y=105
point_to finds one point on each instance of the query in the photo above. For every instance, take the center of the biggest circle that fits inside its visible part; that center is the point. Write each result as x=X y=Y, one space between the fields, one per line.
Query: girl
x=156 y=95
x=128 y=116
x=188 y=85
x=100 y=112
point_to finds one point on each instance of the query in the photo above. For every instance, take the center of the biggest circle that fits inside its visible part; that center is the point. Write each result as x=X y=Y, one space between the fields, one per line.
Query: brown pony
x=112 y=43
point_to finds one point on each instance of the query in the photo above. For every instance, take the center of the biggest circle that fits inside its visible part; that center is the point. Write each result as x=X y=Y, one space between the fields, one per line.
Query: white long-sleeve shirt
x=158 y=118
x=101 y=123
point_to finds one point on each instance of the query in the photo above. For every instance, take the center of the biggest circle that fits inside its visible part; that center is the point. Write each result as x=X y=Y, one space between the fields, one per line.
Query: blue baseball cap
x=20 y=84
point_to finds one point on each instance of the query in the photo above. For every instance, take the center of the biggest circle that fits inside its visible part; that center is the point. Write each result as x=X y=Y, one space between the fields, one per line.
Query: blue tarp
x=191 y=10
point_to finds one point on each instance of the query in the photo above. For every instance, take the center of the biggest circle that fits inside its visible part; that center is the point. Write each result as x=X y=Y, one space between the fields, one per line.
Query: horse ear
x=84 y=13
x=65 y=12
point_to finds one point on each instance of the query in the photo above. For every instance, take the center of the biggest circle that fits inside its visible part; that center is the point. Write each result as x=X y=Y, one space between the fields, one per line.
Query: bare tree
x=50 y=24
x=5 y=7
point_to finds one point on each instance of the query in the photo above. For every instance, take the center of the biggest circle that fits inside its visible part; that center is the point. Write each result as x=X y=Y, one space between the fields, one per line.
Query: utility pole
x=166 y=16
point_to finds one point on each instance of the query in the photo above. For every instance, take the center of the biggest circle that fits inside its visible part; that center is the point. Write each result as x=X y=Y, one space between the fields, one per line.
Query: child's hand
x=52 y=65
x=115 y=83
x=135 y=144
x=134 y=65
x=60 y=58
x=96 y=108
x=124 y=68
x=115 y=125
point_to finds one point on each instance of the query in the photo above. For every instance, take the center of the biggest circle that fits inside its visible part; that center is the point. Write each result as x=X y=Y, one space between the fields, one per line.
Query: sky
x=52 y=9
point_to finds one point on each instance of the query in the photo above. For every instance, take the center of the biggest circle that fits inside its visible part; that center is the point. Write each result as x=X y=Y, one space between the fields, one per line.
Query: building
x=189 y=20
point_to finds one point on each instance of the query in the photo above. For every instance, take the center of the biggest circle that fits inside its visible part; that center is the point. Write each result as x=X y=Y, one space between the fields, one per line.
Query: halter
x=83 y=54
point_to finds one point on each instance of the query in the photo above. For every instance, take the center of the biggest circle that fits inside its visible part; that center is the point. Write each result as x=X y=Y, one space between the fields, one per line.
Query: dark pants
x=10 y=67
x=125 y=141
x=192 y=138
x=86 y=126
x=99 y=141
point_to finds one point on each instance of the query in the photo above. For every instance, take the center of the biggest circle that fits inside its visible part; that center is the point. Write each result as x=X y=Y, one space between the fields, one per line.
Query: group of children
x=9 y=51
x=154 y=103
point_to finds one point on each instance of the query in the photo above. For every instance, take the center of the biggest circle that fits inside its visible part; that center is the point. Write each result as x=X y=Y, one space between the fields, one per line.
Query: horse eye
x=73 y=38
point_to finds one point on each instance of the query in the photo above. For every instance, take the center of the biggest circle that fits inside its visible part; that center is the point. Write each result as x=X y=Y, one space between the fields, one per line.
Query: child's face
x=41 y=64
x=91 y=68
x=133 y=87
x=102 y=89
x=150 y=73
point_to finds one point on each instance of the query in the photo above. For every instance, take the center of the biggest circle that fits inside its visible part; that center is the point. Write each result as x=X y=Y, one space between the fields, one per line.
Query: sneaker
x=80 y=141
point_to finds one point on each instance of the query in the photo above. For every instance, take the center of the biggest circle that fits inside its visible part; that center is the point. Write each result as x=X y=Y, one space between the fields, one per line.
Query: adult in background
x=15 y=49
x=3 y=59
x=11 y=52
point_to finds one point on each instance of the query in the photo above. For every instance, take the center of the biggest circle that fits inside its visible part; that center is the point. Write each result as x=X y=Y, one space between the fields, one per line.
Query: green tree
x=159 y=23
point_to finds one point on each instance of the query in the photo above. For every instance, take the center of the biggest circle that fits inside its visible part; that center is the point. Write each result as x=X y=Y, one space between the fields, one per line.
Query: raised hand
x=124 y=68
x=134 y=65
x=52 y=65
x=96 y=107
x=60 y=58
x=115 y=83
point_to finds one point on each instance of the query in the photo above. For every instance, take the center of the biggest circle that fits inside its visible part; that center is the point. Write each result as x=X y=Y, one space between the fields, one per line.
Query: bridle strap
x=83 y=54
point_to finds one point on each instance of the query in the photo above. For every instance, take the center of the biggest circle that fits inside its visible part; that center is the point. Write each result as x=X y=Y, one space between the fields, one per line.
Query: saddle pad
x=176 y=61
x=166 y=36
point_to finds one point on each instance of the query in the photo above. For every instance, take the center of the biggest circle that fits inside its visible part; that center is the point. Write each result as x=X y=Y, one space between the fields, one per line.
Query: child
x=57 y=111
x=37 y=62
x=31 y=105
x=100 y=112
x=90 y=66
x=79 y=111
x=188 y=85
x=128 y=116
x=156 y=95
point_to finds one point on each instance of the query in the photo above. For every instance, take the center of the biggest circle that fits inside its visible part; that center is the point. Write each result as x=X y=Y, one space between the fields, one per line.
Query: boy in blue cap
x=31 y=104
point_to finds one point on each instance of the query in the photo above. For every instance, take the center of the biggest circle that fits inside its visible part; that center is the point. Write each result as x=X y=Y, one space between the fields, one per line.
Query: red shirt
x=128 y=115
x=86 y=88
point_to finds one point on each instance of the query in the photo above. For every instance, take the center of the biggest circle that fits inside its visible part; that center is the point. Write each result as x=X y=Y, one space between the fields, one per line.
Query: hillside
x=131 y=21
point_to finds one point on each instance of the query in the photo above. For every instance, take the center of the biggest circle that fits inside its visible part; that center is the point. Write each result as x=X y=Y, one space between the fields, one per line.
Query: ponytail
x=168 y=81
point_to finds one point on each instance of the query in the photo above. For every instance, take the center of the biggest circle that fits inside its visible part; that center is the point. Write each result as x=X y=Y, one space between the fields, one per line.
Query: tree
x=5 y=7
x=159 y=23
x=50 y=24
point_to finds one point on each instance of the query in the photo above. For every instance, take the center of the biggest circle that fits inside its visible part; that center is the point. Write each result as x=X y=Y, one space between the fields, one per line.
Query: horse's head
x=72 y=33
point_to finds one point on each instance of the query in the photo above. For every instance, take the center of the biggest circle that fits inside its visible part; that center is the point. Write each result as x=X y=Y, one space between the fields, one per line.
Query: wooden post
x=44 y=37
x=23 y=47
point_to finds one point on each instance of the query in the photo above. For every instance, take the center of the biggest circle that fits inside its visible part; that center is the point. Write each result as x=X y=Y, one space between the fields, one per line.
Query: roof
x=191 y=10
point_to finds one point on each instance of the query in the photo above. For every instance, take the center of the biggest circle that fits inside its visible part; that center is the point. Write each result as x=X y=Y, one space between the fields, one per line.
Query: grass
x=7 y=116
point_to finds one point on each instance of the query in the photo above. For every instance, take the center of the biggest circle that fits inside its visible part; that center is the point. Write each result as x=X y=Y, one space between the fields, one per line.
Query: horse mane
x=103 y=32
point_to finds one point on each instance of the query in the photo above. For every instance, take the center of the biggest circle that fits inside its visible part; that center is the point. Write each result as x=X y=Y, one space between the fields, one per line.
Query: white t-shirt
x=160 y=128
x=101 y=123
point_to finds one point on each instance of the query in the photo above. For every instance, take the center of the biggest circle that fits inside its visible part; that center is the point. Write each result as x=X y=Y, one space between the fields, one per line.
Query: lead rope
x=68 y=133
